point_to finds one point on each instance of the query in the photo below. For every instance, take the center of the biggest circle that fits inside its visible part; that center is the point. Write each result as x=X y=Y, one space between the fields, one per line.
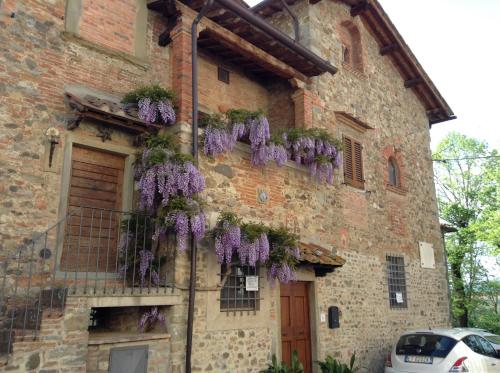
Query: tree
x=468 y=180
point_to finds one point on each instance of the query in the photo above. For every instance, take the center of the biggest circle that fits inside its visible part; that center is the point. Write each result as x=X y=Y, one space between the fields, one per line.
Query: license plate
x=418 y=359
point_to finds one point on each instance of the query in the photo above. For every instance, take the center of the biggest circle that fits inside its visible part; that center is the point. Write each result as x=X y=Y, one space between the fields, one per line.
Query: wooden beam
x=359 y=9
x=413 y=82
x=389 y=48
x=250 y=51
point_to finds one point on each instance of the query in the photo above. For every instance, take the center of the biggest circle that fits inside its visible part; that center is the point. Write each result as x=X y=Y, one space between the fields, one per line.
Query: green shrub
x=330 y=365
x=276 y=367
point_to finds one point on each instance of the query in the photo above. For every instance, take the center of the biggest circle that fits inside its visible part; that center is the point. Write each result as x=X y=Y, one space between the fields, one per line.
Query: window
x=487 y=347
x=352 y=54
x=234 y=296
x=396 y=281
x=223 y=74
x=346 y=54
x=472 y=342
x=425 y=345
x=353 y=163
x=393 y=170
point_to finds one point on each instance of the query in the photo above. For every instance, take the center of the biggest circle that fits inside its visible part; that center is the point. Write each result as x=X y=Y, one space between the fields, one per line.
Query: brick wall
x=110 y=23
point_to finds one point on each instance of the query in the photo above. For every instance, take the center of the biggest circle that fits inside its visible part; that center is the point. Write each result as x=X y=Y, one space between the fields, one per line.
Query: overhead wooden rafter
x=225 y=25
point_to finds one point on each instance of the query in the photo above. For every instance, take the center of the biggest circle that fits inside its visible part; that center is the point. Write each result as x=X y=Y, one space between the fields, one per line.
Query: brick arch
x=352 y=51
x=393 y=154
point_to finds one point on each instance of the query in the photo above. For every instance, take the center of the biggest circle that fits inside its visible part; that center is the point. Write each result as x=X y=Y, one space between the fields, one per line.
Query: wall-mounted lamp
x=52 y=135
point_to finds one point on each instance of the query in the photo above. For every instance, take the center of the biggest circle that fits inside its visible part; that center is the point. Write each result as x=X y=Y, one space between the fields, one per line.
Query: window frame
x=232 y=296
x=396 y=281
x=355 y=167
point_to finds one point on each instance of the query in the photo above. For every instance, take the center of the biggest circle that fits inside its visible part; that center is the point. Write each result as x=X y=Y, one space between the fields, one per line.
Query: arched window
x=352 y=54
x=393 y=170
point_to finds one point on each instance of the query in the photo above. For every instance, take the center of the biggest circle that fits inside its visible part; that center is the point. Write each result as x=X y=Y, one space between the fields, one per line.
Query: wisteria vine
x=314 y=148
x=154 y=103
x=254 y=243
x=150 y=318
x=169 y=183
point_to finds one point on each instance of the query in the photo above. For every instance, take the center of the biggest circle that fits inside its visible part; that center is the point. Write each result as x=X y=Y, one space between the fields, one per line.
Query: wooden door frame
x=71 y=139
x=309 y=280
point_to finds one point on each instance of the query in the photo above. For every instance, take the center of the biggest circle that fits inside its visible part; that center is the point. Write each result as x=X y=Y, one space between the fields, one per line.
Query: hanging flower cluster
x=284 y=255
x=254 y=243
x=154 y=103
x=169 y=183
x=150 y=318
x=314 y=147
x=137 y=262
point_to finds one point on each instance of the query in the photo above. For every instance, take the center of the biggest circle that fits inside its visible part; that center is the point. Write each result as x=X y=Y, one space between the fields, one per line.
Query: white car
x=442 y=351
x=494 y=339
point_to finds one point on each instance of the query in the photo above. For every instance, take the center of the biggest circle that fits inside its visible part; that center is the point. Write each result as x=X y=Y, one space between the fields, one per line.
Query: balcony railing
x=91 y=252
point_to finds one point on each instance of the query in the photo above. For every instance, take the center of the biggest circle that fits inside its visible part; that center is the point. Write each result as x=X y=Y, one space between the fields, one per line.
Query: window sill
x=127 y=57
x=101 y=338
x=396 y=189
x=360 y=188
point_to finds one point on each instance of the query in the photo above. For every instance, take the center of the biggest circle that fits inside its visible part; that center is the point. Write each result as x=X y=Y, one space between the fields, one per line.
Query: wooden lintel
x=250 y=51
x=413 y=82
x=359 y=9
x=389 y=48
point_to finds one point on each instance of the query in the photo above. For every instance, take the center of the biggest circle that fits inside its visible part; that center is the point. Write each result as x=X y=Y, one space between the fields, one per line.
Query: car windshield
x=493 y=339
x=423 y=344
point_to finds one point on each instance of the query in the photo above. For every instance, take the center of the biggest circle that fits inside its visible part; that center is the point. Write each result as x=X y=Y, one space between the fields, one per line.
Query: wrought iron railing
x=91 y=252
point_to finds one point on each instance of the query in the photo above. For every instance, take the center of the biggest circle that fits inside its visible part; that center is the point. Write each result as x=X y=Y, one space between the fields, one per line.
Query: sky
x=457 y=43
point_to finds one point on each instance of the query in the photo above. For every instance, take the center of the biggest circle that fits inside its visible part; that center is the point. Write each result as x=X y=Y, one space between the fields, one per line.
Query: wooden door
x=95 y=193
x=295 y=326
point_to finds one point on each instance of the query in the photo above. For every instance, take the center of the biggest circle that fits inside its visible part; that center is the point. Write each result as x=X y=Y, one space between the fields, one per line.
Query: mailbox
x=333 y=317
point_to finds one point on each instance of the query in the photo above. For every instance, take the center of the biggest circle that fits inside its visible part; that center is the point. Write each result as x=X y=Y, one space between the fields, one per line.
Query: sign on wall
x=252 y=283
x=427 y=255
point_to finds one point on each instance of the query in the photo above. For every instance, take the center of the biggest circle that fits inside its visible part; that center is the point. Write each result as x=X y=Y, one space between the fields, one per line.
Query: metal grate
x=233 y=296
x=396 y=281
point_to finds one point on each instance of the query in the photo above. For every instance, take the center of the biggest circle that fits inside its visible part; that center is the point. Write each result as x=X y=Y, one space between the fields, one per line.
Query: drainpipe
x=295 y=20
x=194 y=132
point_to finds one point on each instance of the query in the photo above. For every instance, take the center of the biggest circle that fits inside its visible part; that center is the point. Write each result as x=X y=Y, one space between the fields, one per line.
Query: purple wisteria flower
x=181 y=226
x=168 y=179
x=227 y=241
x=281 y=272
x=250 y=253
x=151 y=111
x=145 y=262
x=167 y=111
x=148 y=110
x=198 y=226
x=149 y=318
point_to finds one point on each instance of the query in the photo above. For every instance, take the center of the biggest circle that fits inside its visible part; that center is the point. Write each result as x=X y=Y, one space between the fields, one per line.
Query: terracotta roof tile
x=315 y=254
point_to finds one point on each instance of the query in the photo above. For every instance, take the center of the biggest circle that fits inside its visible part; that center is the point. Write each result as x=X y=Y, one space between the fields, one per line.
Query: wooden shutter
x=353 y=163
x=348 y=165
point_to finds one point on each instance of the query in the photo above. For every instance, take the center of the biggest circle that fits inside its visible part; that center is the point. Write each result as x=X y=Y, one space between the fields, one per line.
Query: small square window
x=234 y=296
x=223 y=74
x=396 y=282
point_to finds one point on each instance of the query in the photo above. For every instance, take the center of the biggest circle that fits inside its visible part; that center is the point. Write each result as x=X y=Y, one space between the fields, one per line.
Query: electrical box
x=333 y=317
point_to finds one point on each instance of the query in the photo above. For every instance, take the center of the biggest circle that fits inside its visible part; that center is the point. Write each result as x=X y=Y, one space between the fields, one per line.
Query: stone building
x=371 y=249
